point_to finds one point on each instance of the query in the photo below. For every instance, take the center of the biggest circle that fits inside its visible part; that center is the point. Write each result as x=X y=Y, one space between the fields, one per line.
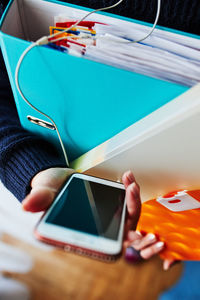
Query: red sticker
x=174 y=201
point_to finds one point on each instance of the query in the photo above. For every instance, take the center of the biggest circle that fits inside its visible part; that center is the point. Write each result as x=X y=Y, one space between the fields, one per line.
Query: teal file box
x=90 y=102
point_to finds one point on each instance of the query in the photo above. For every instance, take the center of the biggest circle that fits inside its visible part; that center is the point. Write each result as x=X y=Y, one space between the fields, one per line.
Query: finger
x=134 y=235
x=39 y=199
x=144 y=242
x=133 y=208
x=168 y=263
x=128 y=178
x=131 y=237
x=152 y=250
x=133 y=200
x=53 y=177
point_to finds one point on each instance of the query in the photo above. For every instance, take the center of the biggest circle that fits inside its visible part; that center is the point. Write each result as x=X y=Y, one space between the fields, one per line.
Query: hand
x=45 y=185
x=137 y=245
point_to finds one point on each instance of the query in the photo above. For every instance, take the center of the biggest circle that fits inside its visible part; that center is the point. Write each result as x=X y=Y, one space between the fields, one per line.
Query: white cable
x=45 y=40
x=87 y=15
x=106 y=8
x=149 y=33
x=154 y=25
x=30 y=104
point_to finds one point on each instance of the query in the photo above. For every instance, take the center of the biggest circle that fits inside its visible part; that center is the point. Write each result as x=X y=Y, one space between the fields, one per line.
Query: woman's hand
x=137 y=245
x=46 y=184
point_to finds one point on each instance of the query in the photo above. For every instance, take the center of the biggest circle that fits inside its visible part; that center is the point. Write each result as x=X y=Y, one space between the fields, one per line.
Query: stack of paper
x=166 y=56
x=168 y=59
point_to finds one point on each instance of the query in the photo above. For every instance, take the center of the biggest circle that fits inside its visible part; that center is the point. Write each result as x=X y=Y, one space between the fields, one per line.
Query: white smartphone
x=86 y=217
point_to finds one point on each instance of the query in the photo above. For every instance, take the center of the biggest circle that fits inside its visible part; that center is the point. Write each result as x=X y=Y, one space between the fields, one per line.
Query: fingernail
x=130 y=176
x=132 y=255
x=151 y=237
x=166 y=266
x=134 y=189
x=138 y=232
x=159 y=245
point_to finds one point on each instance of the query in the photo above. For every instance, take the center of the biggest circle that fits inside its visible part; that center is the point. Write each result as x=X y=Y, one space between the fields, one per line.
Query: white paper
x=165 y=55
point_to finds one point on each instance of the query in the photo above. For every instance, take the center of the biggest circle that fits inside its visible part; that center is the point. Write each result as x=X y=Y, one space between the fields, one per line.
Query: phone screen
x=89 y=207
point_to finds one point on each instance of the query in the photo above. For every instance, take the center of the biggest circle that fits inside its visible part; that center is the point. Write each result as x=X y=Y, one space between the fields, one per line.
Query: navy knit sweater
x=22 y=155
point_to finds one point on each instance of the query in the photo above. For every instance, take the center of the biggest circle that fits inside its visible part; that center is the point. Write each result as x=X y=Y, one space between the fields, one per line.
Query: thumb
x=45 y=186
x=39 y=199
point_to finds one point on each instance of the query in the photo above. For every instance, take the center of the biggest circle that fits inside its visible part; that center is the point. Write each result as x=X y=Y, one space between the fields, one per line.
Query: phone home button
x=80 y=238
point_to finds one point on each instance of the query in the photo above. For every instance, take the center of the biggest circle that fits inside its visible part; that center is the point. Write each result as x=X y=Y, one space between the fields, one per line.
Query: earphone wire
x=87 y=15
x=46 y=40
x=106 y=8
x=31 y=105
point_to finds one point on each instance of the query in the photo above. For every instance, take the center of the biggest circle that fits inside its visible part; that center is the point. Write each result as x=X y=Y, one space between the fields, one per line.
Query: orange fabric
x=179 y=230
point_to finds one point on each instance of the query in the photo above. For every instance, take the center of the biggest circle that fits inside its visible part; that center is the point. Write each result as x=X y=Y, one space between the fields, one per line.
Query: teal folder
x=90 y=102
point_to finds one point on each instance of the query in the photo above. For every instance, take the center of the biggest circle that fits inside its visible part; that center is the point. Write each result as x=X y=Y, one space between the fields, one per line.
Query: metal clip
x=41 y=123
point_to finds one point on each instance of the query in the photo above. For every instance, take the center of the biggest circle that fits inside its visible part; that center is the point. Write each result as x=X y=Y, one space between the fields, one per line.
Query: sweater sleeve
x=22 y=154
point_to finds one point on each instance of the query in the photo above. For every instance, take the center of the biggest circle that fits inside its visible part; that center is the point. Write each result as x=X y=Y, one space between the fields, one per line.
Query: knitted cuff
x=25 y=162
